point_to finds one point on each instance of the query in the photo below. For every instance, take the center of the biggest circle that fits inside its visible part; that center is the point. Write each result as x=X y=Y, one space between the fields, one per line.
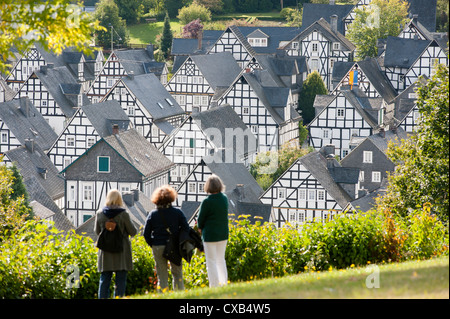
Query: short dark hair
x=164 y=195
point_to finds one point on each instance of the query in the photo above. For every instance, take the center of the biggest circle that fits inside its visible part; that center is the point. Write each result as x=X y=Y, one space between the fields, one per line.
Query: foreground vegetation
x=37 y=261
x=408 y=280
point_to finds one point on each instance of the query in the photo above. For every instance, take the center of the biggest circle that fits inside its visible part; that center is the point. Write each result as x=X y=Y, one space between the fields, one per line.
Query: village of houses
x=77 y=126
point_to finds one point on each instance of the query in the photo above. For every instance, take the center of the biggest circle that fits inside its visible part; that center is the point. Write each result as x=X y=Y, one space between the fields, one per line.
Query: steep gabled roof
x=149 y=91
x=26 y=122
x=104 y=114
x=219 y=69
x=402 y=52
x=314 y=11
x=139 y=152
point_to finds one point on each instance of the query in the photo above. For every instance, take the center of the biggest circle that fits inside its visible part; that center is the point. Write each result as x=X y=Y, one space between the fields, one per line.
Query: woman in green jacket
x=213 y=224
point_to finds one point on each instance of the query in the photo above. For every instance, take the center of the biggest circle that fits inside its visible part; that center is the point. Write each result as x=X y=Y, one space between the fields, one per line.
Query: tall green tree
x=312 y=86
x=167 y=37
x=54 y=24
x=13 y=205
x=381 y=19
x=421 y=176
x=107 y=13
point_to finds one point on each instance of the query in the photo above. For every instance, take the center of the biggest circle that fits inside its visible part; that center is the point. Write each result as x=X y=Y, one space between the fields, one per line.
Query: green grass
x=145 y=33
x=411 y=279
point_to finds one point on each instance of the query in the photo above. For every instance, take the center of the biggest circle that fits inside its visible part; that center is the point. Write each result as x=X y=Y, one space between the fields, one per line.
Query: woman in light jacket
x=121 y=262
x=213 y=224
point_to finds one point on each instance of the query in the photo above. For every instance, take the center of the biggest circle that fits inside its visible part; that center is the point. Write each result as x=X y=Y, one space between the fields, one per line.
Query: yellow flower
x=306 y=267
x=352 y=266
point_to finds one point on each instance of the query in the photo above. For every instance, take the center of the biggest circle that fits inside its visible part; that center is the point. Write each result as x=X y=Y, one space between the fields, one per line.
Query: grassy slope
x=412 y=279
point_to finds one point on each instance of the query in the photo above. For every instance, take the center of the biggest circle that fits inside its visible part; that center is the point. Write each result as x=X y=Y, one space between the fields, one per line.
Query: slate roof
x=149 y=91
x=219 y=69
x=367 y=107
x=103 y=115
x=316 y=164
x=139 y=152
x=181 y=46
x=135 y=61
x=426 y=11
x=26 y=122
x=62 y=86
x=42 y=181
x=223 y=118
x=315 y=11
x=403 y=53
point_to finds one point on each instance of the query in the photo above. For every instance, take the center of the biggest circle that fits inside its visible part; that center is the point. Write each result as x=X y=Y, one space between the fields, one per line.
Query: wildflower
x=306 y=267
x=352 y=266
x=330 y=269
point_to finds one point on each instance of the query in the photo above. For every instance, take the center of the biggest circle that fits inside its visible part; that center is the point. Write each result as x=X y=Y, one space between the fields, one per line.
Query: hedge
x=39 y=261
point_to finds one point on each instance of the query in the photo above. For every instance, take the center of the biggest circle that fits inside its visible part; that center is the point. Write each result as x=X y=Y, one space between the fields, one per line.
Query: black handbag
x=172 y=249
x=110 y=238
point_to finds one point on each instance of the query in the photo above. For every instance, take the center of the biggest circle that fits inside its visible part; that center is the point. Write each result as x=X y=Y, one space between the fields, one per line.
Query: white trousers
x=215 y=263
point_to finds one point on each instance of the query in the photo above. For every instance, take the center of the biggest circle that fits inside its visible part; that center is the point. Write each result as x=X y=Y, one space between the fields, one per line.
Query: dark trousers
x=105 y=283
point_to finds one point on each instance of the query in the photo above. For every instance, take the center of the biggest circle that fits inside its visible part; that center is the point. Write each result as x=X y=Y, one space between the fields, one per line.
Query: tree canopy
x=55 y=24
x=382 y=18
x=422 y=173
x=312 y=86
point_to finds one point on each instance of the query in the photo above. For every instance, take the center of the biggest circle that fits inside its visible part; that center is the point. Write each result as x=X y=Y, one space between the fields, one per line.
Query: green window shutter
x=192 y=143
x=103 y=164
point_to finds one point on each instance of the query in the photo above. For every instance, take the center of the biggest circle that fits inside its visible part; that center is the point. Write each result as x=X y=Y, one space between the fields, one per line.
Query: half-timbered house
x=82 y=67
x=240 y=187
x=322 y=45
x=152 y=111
x=404 y=60
x=123 y=161
x=349 y=113
x=314 y=188
x=367 y=75
x=370 y=157
x=55 y=93
x=124 y=62
x=200 y=77
x=89 y=124
x=203 y=132
x=20 y=124
x=266 y=107
x=313 y=12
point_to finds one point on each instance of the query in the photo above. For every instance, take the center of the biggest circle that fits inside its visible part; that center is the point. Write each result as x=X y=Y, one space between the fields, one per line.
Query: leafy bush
x=193 y=12
x=35 y=261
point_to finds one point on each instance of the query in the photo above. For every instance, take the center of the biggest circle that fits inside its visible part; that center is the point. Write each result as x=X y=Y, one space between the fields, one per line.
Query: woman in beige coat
x=121 y=262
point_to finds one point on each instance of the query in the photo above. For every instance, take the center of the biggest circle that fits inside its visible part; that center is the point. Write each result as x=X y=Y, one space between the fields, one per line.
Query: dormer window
x=258 y=39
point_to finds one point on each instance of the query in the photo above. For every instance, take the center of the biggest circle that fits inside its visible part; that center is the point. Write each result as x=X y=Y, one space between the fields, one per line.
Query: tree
x=381 y=19
x=312 y=86
x=193 y=12
x=421 y=176
x=13 y=206
x=54 y=24
x=107 y=13
x=192 y=29
x=166 y=38
x=129 y=10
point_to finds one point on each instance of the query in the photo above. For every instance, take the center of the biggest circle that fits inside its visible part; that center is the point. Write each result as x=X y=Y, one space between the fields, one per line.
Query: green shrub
x=193 y=12
x=36 y=261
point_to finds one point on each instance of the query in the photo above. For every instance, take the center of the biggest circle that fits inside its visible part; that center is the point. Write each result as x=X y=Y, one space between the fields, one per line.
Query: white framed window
x=281 y=193
x=295 y=45
x=90 y=141
x=109 y=83
x=340 y=112
x=201 y=187
x=44 y=103
x=174 y=172
x=4 y=138
x=336 y=46
x=178 y=151
x=192 y=187
x=326 y=133
x=292 y=216
x=124 y=189
x=245 y=110
x=302 y=194
x=314 y=65
x=314 y=47
x=367 y=157
x=190 y=152
x=344 y=153
x=130 y=109
x=311 y=194
x=87 y=193
x=70 y=141
x=301 y=217
x=72 y=194
x=376 y=177
x=321 y=195
x=204 y=101
x=183 y=171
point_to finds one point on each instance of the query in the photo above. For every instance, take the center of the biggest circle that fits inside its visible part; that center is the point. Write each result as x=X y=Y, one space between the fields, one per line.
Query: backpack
x=110 y=238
